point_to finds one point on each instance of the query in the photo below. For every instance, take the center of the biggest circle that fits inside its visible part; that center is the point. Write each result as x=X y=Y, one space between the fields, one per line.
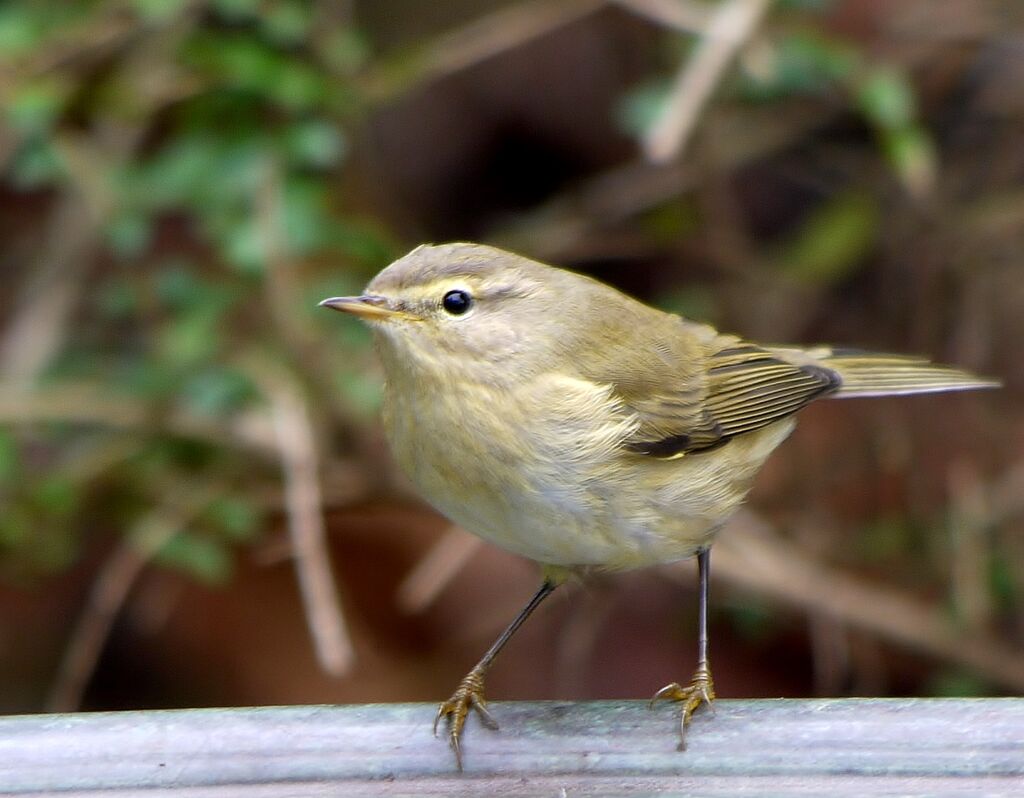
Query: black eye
x=457 y=302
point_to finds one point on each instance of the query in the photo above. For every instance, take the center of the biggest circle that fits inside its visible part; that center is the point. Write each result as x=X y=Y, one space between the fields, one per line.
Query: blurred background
x=197 y=506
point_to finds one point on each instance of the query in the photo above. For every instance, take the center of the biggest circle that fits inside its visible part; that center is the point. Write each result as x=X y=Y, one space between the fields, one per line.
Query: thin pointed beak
x=371 y=308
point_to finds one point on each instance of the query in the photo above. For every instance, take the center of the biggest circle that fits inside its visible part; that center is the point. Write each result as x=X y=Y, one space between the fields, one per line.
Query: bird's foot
x=700 y=691
x=469 y=694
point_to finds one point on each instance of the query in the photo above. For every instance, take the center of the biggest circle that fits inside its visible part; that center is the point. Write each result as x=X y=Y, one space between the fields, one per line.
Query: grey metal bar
x=783 y=747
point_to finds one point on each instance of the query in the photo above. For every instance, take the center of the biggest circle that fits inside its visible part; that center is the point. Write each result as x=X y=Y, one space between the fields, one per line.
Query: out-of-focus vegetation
x=171 y=171
x=183 y=180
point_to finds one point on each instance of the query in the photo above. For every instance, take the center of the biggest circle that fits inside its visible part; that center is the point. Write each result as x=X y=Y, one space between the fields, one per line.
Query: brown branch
x=85 y=403
x=50 y=291
x=303 y=502
x=680 y=15
x=731 y=25
x=436 y=569
x=503 y=30
x=473 y=43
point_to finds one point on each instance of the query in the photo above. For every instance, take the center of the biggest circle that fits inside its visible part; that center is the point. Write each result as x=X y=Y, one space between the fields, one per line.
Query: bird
x=565 y=421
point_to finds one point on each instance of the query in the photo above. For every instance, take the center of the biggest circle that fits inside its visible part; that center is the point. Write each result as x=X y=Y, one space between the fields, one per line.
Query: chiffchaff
x=564 y=421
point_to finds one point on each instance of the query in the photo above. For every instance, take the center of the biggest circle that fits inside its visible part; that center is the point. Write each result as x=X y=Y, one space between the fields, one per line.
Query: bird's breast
x=539 y=469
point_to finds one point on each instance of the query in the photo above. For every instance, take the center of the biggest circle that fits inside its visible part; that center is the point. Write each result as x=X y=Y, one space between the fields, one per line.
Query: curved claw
x=442 y=710
x=469 y=694
x=669 y=692
x=699 y=692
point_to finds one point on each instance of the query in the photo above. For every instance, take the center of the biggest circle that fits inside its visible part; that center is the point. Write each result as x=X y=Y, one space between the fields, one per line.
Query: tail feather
x=870 y=374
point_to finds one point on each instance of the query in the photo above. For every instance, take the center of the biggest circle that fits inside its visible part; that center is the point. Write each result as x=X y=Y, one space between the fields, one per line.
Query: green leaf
x=801 y=63
x=190 y=339
x=887 y=99
x=643 y=105
x=243 y=244
x=199 y=556
x=238 y=517
x=215 y=392
x=346 y=50
x=36 y=163
x=832 y=241
x=55 y=495
x=286 y=22
x=911 y=153
x=21 y=30
x=10 y=456
x=316 y=143
x=147 y=378
x=128 y=233
x=296 y=86
x=159 y=10
x=305 y=218
x=35 y=105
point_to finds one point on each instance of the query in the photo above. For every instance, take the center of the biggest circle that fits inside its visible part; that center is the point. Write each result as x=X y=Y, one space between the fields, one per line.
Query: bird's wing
x=725 y=387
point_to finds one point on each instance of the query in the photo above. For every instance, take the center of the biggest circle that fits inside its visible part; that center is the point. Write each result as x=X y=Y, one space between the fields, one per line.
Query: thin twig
x=679 y=15
x=303 y=501
x=50 y=291
x=504 y=30
x=85 y=403
x=110 y=591
x=732 y=24
x=436 y=569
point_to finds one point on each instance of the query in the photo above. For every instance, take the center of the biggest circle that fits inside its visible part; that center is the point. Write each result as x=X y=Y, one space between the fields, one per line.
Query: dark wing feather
x=740 y=387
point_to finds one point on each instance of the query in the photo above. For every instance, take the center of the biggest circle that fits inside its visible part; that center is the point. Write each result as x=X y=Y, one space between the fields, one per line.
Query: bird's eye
x=457 y=302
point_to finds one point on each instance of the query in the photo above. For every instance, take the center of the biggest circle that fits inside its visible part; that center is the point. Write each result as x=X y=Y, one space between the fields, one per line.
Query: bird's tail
x=871 y=374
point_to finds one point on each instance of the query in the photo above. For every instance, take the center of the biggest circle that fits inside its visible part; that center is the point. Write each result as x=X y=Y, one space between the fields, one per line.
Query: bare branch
x=50 y=291
x=436 y=569
x=304 y=502
x=679 y=15
x=501 y=31
x=730 y=27
x=85 y=403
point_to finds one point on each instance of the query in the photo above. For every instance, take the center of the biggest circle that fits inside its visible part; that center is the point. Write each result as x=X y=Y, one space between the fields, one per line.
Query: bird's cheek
x=501 y=342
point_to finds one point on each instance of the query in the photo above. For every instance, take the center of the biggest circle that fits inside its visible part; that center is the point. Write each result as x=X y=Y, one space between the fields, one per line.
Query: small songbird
x=560 y=419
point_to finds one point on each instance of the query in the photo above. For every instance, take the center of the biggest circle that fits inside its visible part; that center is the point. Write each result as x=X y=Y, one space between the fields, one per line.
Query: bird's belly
x=562 y=496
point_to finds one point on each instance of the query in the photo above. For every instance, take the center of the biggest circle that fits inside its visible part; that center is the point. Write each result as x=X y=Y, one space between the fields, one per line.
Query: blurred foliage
x=184 y=179
x=204 y=141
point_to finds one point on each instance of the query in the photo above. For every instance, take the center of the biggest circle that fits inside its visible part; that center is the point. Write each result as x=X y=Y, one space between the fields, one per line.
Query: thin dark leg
x=701 y=689
x=470 y=692
x=703 y=577
x=546 y=589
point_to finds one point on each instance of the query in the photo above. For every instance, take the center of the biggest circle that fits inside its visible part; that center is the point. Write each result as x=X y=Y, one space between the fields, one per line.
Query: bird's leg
x=470 y=692
x=701 y=689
